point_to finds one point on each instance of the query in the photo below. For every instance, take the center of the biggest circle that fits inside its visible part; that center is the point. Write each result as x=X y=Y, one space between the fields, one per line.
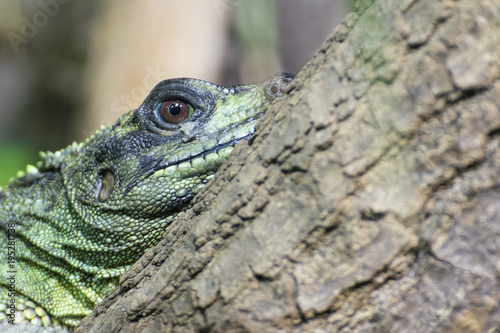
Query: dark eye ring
x=173 y=111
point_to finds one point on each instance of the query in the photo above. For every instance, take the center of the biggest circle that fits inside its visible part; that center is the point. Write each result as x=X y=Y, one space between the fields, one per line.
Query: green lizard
x=70 y=226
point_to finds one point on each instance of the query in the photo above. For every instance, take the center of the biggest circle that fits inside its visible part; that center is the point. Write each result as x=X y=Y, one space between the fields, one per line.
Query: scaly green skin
x=85 y=214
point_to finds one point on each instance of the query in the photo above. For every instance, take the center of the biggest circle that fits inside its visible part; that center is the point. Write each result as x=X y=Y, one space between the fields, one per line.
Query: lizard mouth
x=171 y=161
x=216 y=149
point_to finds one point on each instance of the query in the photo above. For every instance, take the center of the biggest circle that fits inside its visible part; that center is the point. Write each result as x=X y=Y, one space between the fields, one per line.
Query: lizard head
x=89 y=211
x=130 y=180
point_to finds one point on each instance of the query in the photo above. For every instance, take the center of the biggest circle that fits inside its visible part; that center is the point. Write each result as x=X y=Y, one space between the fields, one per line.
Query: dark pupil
x=174 y=109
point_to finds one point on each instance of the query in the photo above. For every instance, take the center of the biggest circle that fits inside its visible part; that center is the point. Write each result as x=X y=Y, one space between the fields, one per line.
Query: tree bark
x=368 y=200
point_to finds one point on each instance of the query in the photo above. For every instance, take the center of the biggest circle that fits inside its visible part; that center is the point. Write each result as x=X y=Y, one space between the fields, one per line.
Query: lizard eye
x=174 y=111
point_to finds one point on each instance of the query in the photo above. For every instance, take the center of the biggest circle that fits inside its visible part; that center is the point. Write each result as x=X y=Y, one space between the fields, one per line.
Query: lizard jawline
x=231 y=143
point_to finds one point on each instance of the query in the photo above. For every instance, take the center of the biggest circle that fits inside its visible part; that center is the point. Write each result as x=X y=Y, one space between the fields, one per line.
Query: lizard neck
x=47 y=270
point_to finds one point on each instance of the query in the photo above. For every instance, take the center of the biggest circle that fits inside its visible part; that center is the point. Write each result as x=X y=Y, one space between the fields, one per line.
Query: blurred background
x=67 y=66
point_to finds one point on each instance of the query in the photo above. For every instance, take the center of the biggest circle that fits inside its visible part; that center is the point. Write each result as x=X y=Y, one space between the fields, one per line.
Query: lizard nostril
x=274 y=89
x=276 y=85
x=107 y=185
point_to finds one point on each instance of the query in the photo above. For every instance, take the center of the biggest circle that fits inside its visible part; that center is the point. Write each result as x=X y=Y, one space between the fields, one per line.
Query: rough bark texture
x=369 y=201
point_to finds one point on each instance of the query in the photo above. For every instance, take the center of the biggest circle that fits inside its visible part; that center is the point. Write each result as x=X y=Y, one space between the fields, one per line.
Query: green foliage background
x=16 y=157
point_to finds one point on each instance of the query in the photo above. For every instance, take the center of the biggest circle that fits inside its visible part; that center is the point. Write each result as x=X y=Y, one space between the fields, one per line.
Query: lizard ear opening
x=107 y=185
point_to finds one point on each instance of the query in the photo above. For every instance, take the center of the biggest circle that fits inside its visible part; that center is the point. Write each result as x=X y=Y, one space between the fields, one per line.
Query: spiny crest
x=53 y=160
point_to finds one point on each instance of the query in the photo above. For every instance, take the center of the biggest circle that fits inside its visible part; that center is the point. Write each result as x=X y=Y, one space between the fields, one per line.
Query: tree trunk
x=368 y=201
